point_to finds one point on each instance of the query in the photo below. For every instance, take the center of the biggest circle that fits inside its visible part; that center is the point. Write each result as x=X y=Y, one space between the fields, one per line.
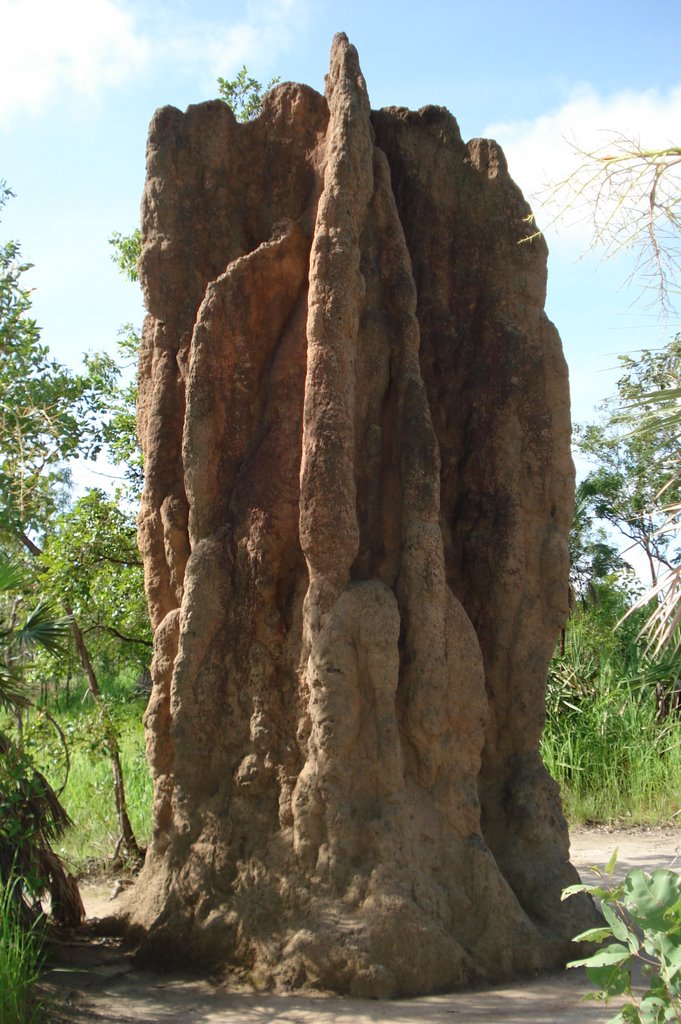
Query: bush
x=643 y=916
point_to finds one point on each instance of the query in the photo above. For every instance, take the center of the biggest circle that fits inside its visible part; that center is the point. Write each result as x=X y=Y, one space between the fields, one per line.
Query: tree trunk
x=356 y=432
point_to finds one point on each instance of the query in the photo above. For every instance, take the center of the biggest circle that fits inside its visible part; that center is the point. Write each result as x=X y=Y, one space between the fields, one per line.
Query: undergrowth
x=88 y=795
x=20 y=963
x=616 y=758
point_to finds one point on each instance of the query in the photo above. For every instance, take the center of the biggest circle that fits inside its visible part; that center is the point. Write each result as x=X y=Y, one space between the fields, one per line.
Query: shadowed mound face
x=355 y=423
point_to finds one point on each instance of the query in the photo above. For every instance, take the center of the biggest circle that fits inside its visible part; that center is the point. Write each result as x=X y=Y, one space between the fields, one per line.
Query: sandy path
x=101 y=985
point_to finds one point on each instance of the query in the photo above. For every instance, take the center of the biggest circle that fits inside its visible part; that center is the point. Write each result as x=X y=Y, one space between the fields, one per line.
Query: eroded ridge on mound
x=355 y=422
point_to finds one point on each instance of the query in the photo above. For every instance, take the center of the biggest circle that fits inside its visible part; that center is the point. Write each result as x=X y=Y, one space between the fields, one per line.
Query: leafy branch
x=643 y=916
x=244 y=94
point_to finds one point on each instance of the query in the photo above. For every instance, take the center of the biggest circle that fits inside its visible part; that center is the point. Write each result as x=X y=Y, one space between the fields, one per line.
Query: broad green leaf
x=653 y=1009
x=670 y=950
x=597 y=891
x=571 y=890
x=627 y=1015
x=617 y=925
x=44 y=628
x=615 y=953
x=594 y=935
x=611 y=980
x=12 y=575
x=649 y=897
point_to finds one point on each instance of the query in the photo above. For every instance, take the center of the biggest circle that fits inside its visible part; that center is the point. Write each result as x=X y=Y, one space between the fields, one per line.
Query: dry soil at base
x=101 y=985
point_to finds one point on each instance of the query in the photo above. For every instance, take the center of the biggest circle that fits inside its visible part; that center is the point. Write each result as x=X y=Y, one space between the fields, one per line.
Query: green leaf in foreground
x=644 y=914
x=617 y=925
x=653 y=900
x=610 y=866
x=615 y=953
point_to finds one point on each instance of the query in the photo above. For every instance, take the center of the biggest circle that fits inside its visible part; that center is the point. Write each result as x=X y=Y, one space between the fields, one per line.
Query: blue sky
x=82 y=78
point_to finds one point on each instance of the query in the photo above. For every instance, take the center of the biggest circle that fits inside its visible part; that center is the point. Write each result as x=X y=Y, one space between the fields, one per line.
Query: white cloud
x=265 y=30
x=78 y=45
x=52 y=48
x=541 y=152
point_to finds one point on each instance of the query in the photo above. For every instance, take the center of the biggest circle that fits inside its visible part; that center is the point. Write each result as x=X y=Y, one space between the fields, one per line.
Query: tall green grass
x=603 y=743
x=89 y=795
x=21 y=959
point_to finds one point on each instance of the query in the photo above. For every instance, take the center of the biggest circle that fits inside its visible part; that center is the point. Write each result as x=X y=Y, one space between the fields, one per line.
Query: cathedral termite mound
x=355 y=421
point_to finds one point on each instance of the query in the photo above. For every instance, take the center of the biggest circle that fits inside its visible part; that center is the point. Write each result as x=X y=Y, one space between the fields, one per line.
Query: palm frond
x=663 y=626
x=12 y=691
x=12 y=574
x=43 y=629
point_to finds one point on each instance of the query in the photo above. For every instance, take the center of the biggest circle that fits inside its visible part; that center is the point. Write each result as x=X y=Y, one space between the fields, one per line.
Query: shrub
x=642 y=925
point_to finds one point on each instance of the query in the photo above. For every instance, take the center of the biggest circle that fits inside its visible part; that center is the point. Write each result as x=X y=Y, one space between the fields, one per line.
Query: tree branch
x=122 y=636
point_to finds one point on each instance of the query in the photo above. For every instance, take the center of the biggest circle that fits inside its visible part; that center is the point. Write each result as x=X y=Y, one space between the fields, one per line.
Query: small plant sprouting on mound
x=642 y=926
x=244 y=94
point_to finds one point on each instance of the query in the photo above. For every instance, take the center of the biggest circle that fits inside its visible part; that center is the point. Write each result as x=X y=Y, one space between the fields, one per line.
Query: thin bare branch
x=631 y=196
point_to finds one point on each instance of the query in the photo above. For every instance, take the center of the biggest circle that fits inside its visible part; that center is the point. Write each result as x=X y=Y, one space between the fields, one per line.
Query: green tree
x=47 y=413
x=91 y=557
x=47 y=417
x=635 y=481
x=114 y=381
x=127 y=249
x=627 y=492
x=594 y=559
x=632 y=196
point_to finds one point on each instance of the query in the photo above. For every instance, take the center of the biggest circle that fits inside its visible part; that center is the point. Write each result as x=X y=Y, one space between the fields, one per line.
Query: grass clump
x=608 y=742
x=21 y=958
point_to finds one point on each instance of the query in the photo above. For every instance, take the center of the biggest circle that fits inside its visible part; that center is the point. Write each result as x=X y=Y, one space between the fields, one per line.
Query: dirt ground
x=96 y=982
